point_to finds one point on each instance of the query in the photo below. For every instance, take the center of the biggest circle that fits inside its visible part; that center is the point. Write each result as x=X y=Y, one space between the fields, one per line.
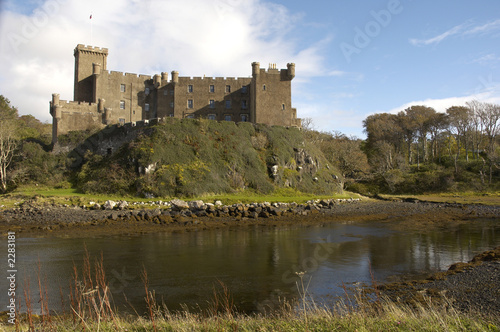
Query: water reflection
x=258 y=265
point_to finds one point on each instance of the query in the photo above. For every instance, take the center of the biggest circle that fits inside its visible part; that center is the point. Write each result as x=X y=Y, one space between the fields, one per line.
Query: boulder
x=109 y=205
x=122 y=205
x=196 y=205
x=179 y=204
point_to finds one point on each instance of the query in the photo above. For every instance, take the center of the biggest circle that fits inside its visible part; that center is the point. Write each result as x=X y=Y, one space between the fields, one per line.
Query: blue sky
x=353 y=58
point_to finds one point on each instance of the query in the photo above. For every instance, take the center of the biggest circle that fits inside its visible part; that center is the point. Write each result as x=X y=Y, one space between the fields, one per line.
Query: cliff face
x=195 y=157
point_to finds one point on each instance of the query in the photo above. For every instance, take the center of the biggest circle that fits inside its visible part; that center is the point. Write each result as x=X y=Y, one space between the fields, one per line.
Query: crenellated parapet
x=91 y=49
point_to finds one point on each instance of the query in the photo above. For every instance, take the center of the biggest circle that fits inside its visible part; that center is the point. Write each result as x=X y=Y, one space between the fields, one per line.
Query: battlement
x=215 y=79
x=71 y=103
x=81 y=47
x=113 y=73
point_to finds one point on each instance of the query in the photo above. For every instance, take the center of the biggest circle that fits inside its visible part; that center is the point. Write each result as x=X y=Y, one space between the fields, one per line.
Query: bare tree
x=8 y=141
x=459 y=119
x=490 y=119
x=475 y=108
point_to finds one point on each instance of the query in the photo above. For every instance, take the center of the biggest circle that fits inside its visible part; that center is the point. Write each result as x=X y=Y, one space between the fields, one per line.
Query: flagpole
x=91 y=44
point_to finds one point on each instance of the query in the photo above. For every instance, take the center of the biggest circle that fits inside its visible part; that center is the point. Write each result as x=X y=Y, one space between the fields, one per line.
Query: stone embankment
x=160 y=212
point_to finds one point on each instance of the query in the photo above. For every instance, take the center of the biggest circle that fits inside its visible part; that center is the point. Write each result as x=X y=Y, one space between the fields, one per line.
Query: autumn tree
x=8 y=138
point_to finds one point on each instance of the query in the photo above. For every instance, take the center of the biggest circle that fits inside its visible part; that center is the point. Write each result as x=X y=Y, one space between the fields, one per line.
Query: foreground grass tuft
x=387 y=316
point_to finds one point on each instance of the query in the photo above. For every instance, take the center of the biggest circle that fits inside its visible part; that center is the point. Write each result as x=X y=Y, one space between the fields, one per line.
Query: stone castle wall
x=109 y=97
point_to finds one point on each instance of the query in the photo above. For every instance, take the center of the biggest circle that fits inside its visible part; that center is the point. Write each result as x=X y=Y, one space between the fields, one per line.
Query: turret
x=291 y=70
x=175 y=77
x=96 y=68
x=255 y=68
x=157 y=80
x=55 y=109
x=55 y=99
x=164 y=77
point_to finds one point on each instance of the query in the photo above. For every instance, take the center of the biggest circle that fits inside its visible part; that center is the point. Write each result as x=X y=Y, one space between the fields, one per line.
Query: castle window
x=227 y=117
x=171 y=92
x=146 y=91
x=212 y=88
x=228 y=89
x=190 y=88
x=211 y=103
x=228 y=104
x=165 y=92
x=212 y=117
x=264 y=87
x=121 y=120
x=171 y=104
x=190 y=103
x=244 y=117
x=283 y=107
x=244 y=104
x=244 y=89
x=122 y=87
x=146 y=107
x=122 y=104
x=171 y=115
x=190 y=116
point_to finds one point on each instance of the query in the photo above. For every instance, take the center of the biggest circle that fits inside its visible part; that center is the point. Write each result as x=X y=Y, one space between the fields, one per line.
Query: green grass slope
x=198 y=157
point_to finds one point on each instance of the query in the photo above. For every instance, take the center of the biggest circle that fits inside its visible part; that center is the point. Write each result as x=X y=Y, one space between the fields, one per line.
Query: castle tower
x=291 y=70
x=85 y=57
x=255 y=68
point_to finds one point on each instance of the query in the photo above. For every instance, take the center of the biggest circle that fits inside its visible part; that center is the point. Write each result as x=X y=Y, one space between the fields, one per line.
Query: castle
x=103 y=97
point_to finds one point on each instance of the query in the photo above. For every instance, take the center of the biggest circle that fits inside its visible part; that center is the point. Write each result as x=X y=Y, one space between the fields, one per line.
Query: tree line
x=465 y=136
x=416 y=150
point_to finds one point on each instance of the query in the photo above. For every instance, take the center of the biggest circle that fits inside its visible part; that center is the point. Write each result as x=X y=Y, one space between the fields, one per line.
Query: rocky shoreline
x=471 y=288
x=113 y=218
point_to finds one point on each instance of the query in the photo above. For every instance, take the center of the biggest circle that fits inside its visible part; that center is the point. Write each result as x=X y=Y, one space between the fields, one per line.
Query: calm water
x=257 y=265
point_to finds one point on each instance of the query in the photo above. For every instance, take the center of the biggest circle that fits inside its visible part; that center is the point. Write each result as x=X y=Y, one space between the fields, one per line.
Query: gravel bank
x=472 y=287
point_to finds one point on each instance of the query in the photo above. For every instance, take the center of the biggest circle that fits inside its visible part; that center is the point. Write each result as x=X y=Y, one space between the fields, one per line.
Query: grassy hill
x=197 y=157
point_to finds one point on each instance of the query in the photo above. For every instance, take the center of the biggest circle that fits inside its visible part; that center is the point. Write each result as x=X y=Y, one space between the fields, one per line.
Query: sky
x=353 y=58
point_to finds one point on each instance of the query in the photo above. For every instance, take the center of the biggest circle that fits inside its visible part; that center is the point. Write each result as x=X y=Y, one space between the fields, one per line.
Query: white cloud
x=488 y=60
x=485 y=28
x=196 y=37
x=436 y=40
x=489 y=95
x=464 y=29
